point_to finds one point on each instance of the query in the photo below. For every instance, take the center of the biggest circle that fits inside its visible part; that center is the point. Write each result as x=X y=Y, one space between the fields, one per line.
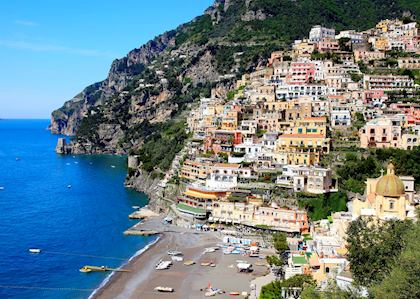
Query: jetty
x=136 y=232
x=143 y=213
x=88 y=269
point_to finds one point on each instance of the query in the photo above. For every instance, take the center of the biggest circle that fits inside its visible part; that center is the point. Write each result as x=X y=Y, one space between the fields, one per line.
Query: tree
x=273 y=260
x=403 y=280
x=280 y=243
x=273 y=290
x=373 y=247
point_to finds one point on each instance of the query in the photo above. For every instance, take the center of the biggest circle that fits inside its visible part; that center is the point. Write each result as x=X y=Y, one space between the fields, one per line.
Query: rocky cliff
x=159 y=80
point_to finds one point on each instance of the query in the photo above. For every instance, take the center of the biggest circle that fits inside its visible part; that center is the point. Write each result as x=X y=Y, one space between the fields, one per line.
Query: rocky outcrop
x=252 y=15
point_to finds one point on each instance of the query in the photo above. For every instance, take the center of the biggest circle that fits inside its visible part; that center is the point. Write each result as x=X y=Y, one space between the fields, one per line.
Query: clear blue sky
x=50 y=49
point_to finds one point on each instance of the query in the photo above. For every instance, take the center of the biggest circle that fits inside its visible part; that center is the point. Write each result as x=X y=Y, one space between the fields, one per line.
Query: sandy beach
x=187 y=281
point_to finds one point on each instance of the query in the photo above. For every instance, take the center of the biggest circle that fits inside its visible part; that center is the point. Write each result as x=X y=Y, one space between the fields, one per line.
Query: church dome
x=390 y=185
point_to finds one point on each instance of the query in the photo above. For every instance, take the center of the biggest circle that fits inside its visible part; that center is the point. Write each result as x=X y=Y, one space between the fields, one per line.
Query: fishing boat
x=164 y=289
x=35 y=250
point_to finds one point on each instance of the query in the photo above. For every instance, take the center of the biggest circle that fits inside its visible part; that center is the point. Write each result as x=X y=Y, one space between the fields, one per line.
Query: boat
x=69 y=186
x=213 y=265
x=17 y=159
x=177 y=258
x=189 y=263
x=164 y=289
x=88 y=269
x=234 y=294
x=35 y=250
x=113 y=166
x=1 y=188
x=205 y=264
x=85 y=270
x=174 y=252
x=136 y=207
x=163 y=265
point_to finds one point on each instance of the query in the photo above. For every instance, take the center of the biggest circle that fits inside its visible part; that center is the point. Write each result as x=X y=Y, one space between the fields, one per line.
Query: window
x=391 y=205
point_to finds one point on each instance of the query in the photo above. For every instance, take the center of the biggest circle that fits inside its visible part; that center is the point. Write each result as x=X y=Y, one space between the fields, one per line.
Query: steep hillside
x=158 y=81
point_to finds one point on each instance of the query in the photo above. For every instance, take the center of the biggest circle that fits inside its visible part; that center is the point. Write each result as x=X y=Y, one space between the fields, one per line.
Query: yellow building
x=382 y=44
x=301 y=149
x=195 y=170
x=310 y=125
x=385 y=198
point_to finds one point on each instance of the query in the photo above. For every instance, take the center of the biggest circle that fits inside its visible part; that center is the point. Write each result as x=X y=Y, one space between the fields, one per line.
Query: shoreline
x=187 y=281
x=112 y=275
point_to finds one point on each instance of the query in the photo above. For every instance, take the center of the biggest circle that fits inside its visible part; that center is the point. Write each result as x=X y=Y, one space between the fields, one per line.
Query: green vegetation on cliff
x=355 y=170
x=161 y=145
x=321 y=206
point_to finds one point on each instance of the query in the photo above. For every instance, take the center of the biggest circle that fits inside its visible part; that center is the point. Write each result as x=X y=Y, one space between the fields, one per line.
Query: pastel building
x=381 y=133
x=301 y=149
x=385 y=198
x=387 y=82
x=319 y=32
x=313 y=179
x=250 y=214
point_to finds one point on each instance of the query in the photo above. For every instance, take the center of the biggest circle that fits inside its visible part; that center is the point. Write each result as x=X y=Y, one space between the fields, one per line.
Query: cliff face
x=159 y=80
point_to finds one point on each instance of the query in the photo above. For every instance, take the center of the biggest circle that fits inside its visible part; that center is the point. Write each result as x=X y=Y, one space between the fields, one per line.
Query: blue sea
x=77 y=226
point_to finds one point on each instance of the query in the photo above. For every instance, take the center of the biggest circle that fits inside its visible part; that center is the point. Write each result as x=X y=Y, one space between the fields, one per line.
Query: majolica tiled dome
x=390 y=185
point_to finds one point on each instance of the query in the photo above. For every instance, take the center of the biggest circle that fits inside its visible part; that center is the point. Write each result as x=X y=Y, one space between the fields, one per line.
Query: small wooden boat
x=35 y=250
x=189 y=263
x=164 y=289
x=85 y=270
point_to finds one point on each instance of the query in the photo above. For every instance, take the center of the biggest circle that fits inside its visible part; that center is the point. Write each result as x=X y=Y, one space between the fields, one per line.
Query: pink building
x=412 y=112
x=381 y=133
x=301 y=72
x=373 y=95
x=328 y=45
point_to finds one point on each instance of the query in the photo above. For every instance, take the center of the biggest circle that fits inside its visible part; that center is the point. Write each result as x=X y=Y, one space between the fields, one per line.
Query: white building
x=312 y=179
x=340 y=116
x=314 y=91
x=318 y=33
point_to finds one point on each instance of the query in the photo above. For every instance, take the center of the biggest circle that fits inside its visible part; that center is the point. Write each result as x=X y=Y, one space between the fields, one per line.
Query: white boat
x=164 y=289
x=35 y=250
x=136 y=207
x=174 y=252
x=113 y=166
x=163 y=265
x=1 y=188
x=68 y=186
x=177 y=258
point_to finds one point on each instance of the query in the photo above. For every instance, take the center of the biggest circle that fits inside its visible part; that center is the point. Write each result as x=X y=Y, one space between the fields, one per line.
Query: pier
x=88 y=269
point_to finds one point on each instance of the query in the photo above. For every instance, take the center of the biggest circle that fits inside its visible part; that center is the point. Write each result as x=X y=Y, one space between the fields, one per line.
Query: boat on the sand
x=164 y=289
